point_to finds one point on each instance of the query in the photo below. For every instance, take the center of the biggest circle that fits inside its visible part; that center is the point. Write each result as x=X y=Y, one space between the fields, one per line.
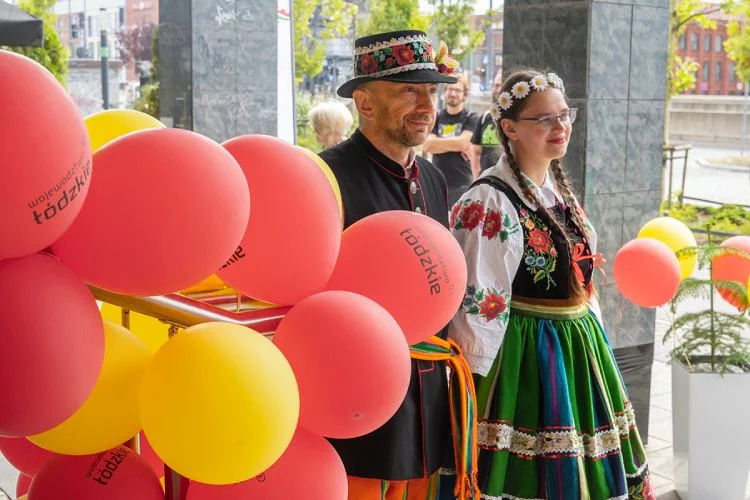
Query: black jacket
x=416 y=441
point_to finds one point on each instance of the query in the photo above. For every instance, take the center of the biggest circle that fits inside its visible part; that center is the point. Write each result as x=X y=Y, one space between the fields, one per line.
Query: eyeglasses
x=547 y=122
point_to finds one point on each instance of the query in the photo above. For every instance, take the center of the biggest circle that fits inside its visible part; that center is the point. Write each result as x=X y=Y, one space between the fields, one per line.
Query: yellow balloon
x=676 y=235
x=109 y=416
x=329 y=175
x=219 y=403
x=211 y=284
x=150 y=330
x=110 y=124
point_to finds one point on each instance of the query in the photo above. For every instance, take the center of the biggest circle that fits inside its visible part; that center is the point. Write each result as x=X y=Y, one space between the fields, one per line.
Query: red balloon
x=166 y=209
x=149 y=455
x=117 y=474
x=46 y=157
x=733 y=268
x=309 y=468
x=24 y=455
x=52 y=340
x=409 y=264
x=294 y=232
x=647 y=272
x=22 y=486
x=351 y=362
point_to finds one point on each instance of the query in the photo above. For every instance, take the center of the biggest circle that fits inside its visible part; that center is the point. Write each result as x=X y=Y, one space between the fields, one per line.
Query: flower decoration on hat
x=445 y=63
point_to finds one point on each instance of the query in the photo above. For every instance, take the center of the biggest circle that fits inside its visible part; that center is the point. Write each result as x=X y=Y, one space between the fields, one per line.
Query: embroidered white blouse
x=493 y=245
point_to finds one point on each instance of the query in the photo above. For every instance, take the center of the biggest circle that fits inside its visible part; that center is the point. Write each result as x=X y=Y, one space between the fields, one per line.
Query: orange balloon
x=647 y=272
x=733 y=268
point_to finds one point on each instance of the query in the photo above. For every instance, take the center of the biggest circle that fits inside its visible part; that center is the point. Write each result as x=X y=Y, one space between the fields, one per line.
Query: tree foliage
x=53 y=56
x=737 y=45
x=310 y=48
x=452 y=24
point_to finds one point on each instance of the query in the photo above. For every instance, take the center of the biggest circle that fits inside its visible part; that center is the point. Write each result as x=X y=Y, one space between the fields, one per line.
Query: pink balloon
x=309 y=468
x=294 y=232
x=351 y=362
x=22 y=486
x=409 y=264
x=733 y=268
x=52 y=340
x=165 y=210
x=24 y=455
x=46 y=157
x=117 y=474
x=647 y=272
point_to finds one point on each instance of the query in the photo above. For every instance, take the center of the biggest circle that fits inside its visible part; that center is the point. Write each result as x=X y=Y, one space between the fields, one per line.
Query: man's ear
x=363 y=99
x=508 y=127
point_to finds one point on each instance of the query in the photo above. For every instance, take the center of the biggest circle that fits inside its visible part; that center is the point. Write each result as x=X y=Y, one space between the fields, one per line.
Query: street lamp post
x=104 y=53
x=490 y=52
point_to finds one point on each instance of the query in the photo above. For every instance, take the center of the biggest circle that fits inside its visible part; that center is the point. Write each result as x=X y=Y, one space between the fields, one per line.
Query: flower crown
x=521 y=89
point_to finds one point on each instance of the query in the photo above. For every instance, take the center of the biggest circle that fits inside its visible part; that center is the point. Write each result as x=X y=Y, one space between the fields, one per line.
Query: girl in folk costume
x=554 y=416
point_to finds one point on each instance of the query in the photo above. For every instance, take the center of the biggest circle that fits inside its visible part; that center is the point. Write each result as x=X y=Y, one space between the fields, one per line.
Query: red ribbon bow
x=597 y=259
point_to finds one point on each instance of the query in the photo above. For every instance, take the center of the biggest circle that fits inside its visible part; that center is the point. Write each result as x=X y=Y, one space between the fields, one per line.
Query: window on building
x=682 y=42
x=707 y=42
x=732 y=74
x=694 y=42
x=717 y=71
x=121 y=17
x=706 y=73
x=90 y=26
x=719 y=45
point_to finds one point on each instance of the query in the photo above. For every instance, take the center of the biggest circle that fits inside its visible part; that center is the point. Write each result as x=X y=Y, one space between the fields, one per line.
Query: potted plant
x=710 y=383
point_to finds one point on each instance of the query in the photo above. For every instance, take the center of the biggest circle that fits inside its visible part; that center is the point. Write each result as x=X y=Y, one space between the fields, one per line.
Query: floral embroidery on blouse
x=491 y=304
x=470 y=215
x=539 y=253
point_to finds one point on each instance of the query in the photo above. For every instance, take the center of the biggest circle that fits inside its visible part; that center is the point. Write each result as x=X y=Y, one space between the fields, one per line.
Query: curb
x=727 y=168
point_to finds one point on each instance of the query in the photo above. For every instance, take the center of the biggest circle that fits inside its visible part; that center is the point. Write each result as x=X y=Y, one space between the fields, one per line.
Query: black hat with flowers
x=399 y=56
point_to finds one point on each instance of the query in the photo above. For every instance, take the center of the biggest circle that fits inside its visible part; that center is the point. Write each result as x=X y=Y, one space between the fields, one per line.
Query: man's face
x=454 y=94
x=496 y=87
x=404 y=112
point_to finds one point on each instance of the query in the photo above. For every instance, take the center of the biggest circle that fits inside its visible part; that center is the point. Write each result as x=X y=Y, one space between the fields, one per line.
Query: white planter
x=711 y=434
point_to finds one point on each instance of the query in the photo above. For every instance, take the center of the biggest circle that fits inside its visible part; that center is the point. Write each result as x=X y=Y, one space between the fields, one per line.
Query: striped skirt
x=554 y=417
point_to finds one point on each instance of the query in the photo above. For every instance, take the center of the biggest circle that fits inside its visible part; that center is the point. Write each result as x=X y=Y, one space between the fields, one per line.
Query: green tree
x=737 y=45
x=148 y=102
x=681 y=72
x=310 y=50
x=53 y=56
x=392 y=15
x=451 y=23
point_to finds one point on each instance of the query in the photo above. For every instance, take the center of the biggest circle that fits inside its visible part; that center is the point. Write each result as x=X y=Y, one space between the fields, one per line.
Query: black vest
x=546 y=262
x=416 y=441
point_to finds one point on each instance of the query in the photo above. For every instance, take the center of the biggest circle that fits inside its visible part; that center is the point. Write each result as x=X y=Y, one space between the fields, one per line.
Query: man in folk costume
x=394 y=87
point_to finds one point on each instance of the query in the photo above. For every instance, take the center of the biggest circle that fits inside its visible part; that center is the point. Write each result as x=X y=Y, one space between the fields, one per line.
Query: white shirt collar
x=547 y=192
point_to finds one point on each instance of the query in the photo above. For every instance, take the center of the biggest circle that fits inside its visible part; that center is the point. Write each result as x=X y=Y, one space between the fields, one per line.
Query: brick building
x=716 y=73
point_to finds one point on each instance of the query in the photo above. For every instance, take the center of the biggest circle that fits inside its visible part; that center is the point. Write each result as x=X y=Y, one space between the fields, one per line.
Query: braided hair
x=513 y=112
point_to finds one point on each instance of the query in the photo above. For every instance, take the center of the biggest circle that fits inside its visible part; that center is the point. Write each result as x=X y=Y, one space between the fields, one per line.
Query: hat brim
x=415 y=76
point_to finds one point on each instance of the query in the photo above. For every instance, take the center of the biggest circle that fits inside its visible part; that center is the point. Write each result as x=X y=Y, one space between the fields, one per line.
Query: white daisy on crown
x=521 y=90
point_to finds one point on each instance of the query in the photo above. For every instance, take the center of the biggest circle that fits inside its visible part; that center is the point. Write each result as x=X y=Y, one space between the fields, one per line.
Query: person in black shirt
x=486 y=148
x=395 y=92
x=450 y=140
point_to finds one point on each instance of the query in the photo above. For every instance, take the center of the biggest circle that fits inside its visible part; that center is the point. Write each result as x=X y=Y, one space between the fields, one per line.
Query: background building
x=716 y=73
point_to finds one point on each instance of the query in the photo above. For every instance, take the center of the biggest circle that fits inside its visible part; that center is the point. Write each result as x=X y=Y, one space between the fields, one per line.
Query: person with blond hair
x=330 y=121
